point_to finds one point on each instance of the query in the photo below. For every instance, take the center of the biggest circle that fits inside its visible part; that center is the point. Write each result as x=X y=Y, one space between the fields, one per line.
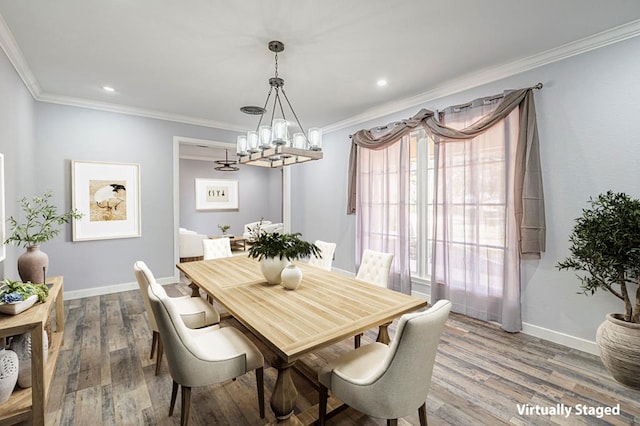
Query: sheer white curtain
x=476 y=261
x=382 y=213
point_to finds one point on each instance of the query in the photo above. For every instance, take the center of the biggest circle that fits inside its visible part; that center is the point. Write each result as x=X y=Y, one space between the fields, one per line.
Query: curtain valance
x=529 y=199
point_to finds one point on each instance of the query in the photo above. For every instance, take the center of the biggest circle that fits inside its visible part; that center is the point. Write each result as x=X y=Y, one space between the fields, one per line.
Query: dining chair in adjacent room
x=204 y=356
x=375 y=268
x=194 y=311
x=216 y=248
x=388 y=381
x=326 y=250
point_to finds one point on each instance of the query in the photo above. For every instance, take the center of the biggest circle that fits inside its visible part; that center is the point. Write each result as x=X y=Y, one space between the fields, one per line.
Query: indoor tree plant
x=275 y=251
x=605 y=245
x=41 y=223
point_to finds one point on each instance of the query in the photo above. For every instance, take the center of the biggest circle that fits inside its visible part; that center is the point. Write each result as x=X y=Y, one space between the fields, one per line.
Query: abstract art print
x=108 y=195
x=214 y=194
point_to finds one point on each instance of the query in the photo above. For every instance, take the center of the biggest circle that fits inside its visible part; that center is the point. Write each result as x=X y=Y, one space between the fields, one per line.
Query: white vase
x=272 y=267
x=291 y=277
x=8 y=373
x=21 y=345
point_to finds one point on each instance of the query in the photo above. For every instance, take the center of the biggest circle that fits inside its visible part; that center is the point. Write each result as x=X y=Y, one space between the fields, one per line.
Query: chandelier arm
x=276 y=100
x=280 y=105
x=264 y=108
x=296 y=117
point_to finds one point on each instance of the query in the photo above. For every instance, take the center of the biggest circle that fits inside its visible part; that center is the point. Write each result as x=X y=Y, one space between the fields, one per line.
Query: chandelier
x=226 y=165
x=271 y=144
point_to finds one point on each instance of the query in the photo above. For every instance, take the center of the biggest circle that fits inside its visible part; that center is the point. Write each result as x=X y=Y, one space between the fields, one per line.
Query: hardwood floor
x=482 y=375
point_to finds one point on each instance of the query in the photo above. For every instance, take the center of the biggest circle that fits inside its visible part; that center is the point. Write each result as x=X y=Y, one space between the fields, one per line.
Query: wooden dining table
x=326 y=308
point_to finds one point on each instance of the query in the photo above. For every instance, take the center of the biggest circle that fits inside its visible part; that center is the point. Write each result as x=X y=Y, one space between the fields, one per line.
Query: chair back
x=375 y=268
x=400 y=384
x=144 y=276
x=216 y=248
x=326 y=250
x=191 y=361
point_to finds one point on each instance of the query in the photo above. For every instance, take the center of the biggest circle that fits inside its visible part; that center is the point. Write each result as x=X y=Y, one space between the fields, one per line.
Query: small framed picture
x=108 y=195
x=213 y=194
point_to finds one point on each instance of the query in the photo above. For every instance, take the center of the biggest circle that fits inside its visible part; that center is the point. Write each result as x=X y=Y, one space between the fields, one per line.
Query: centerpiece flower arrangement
x=17 y=291
x=224 y=228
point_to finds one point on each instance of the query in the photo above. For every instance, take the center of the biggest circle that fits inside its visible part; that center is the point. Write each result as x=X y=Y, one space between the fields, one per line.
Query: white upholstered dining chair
x=216 y=248
x=375 y=268
x=194 y=311
x=326 y=250
x=388 y=381
x=204 y=356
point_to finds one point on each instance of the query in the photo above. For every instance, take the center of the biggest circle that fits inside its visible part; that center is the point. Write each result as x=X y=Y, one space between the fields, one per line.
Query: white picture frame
x=216 y=194
x=108 y=196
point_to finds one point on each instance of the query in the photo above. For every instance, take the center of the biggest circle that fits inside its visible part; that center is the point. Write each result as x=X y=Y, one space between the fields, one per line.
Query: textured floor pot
x=21 y=345
x=8 y=373
x=272 y=267
x=291 y=277
x=31 y=265
x=619 y=344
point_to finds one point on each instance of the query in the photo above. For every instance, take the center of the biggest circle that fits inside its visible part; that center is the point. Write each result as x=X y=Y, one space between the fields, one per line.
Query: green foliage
x=224 y=228
x=605 y=244
x=24 y=290
x=288 y=246
x=42 y=221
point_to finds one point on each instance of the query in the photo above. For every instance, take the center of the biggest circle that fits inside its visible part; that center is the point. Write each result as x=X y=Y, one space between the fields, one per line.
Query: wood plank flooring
x=482 y=374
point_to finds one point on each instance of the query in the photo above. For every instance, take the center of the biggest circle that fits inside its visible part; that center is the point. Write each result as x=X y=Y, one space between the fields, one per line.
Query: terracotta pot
x=272 y=267
x=31 y=264
x=619 y=344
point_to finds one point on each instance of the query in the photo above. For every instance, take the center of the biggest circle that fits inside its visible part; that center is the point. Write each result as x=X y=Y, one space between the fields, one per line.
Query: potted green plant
x=41 y=223
x=275 y=251
x=16 y=296
x=605 y=247
x=224 y=228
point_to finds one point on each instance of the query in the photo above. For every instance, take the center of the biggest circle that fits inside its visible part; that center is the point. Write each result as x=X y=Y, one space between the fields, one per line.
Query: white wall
x=590 y=143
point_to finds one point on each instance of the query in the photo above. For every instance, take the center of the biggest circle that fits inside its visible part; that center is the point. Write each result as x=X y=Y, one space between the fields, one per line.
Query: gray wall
x=589 y=135
x=17 y=143
x=259 y=196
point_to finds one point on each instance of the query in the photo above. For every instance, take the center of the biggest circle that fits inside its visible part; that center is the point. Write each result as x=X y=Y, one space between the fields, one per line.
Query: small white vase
x=8 y=373
x=291 y=277
x=21 y=345
x=272 y=267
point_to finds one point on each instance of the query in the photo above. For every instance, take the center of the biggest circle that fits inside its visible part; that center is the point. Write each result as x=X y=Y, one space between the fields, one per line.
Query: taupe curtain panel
x=529 y=198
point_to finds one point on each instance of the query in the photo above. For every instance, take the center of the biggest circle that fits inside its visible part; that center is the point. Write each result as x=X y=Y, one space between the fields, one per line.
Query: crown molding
x=488 y=75
x=141 y=112
x=13 y=52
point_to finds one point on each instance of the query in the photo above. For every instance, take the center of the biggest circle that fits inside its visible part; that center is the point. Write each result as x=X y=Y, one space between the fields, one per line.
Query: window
x=422 y=165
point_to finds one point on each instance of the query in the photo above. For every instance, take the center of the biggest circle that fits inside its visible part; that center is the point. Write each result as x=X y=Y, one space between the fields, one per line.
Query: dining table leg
x=285 y=394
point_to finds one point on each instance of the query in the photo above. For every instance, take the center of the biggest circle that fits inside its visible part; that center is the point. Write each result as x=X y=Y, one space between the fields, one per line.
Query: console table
x=30 y=404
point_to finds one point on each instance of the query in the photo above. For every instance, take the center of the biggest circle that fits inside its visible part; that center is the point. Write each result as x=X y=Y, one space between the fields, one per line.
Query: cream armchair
x=392 y=381
x=190 y=245
x=202 y=357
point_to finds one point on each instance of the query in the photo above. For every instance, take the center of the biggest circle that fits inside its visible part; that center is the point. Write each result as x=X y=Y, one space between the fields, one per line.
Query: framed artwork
x=108 y=196
x=3 y=229
x=213 y=194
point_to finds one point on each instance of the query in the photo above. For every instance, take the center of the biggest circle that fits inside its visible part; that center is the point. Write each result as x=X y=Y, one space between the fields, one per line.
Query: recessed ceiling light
x=108 y=89
x=382 y=82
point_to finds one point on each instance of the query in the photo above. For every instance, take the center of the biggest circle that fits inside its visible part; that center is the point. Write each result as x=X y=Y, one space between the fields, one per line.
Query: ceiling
x=200 y=61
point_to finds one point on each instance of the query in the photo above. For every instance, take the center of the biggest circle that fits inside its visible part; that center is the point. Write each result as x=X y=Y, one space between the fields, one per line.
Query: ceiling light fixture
x=271 y=145
x=226 y=165
x=382 y=83
x=108 y=89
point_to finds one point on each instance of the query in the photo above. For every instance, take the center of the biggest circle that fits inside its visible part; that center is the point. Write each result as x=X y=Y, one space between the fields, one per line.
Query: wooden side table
x=30 y=404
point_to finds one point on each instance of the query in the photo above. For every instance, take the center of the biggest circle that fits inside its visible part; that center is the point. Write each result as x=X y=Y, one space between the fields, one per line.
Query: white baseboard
x=561 y=338
x=117 y=288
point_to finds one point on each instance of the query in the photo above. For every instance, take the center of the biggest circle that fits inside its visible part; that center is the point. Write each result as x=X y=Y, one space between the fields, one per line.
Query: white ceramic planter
x=8 y=373
x=272 y=267
x=21 y=345
x=619 y=344
x=291 y=277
